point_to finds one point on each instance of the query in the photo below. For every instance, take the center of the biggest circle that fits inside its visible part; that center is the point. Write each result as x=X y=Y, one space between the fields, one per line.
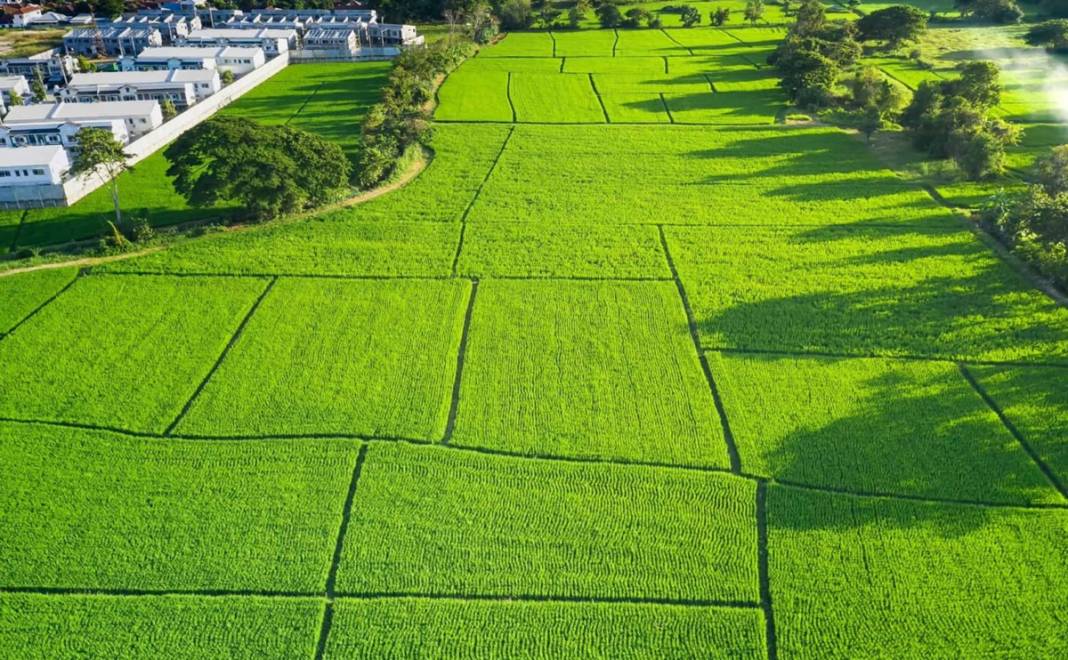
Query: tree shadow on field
x=914 y=428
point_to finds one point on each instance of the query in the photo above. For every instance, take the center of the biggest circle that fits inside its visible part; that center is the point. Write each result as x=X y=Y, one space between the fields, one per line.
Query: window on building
x=39 y=172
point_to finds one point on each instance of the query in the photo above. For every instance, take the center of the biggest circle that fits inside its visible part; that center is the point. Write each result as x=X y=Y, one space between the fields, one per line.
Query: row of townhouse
x=238 y=60
x=123 y=39
x=182 y=87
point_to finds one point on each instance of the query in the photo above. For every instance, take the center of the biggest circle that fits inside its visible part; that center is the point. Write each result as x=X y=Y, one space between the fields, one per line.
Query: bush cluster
x=400 y=120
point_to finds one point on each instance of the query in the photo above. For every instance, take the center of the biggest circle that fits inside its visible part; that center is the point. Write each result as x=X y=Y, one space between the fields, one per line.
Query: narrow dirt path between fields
x=413 y=170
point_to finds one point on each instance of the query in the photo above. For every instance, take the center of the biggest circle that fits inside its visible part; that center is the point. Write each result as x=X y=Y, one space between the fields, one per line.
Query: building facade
x=183 y=87
x=272 y=41
x=111 y=40
x=235 y=59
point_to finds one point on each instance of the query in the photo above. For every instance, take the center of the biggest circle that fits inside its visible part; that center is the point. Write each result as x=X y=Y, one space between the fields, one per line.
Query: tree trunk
x=115 y=200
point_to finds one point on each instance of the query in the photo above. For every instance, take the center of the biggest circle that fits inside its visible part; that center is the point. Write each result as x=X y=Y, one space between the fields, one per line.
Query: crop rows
x=429 y=520
x=858 y=577
x=88 y=356
x=325 y=356
x=909 y=427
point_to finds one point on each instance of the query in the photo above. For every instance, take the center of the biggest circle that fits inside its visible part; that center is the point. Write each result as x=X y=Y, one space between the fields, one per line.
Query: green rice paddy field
x=631 y=370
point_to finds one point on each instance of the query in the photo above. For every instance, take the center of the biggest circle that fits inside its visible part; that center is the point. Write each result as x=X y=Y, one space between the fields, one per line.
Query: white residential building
x=183 y=87
x=13 y=85
x=55 y=67
x=272 y=41
x=139 y=117
x=20 y=16
x=113 y=40
x=223 y=58
x=33 y=166
x=173 y=27
x=56 y=132
x=329 y=44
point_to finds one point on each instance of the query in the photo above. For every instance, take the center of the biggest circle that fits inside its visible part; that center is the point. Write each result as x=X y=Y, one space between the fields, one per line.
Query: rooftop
x=191 y=52
x=28 y=156
x=134 y=77
x=223 y=33
x=74 y=111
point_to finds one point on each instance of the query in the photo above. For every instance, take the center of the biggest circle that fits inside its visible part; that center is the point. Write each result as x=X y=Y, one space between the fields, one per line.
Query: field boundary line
x=331 y=578
x=872 y=356
x=397 y=595
x=305 y=104
x=562 y=60
x=762 y=569
x=18 y=231
x=1048 y=472
x=478 y=192
x=667 y=70
x=48 y=301
x=677 y=43
x=454 y=405
x=711 y=85
x=728 y=436
x=222 y=356
x=553 y=38
x=671 y=118
x=604 y=110
x=582 y=460
x=508 y=95
x=615 y=43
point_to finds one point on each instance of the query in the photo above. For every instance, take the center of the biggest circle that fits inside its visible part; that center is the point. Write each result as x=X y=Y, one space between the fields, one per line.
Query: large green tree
x=893 y=25
x=100 y=154
x=268 y=170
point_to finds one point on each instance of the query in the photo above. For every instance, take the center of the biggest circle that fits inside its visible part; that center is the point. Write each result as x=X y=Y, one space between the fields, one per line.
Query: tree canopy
x=893 y=25
x=268 y=170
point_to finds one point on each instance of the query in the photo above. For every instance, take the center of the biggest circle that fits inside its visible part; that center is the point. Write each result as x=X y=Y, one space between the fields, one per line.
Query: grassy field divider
x=762 y=568
x=454 y=405
x=18 y=231
x=604 y=110
x=728 y=436
x=478 y=191
x=222 y=356
x=553 y=37
x=667 y=66
x=615 y=44
x=873 y=356
x=588 y=460
x=664 y=102
x=44 y=304
x=1007 y=423
x=331 y=578
x=508 y=94
x=308 y=100
x=676 y=41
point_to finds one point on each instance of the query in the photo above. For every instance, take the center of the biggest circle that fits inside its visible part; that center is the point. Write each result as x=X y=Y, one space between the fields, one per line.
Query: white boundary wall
x=143 y=147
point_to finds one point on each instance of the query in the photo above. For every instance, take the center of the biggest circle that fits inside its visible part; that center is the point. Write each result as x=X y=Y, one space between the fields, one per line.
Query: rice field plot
x=93 y=510
x=585 y=43
x=25 y=292
x=331 y=244
x=846 y=291
x=121 y=352
x=705 y=41
x=648 y=108
x=884 y=426
x=35 y=626
x=473 y=95
x=1035 y=401
x=375 y=358
x=567 y=369
x=435 y=521
x=862 y=577
x=445 y=628
x=907 y=72
x=522 y=249
x=648 y=42
x=757 y=107
x=645 y=67
x=728 y=176
x=521 y=44
x=555 y=98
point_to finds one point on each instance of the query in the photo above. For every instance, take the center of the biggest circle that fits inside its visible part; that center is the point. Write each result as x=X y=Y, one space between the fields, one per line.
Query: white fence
x=72 y=190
